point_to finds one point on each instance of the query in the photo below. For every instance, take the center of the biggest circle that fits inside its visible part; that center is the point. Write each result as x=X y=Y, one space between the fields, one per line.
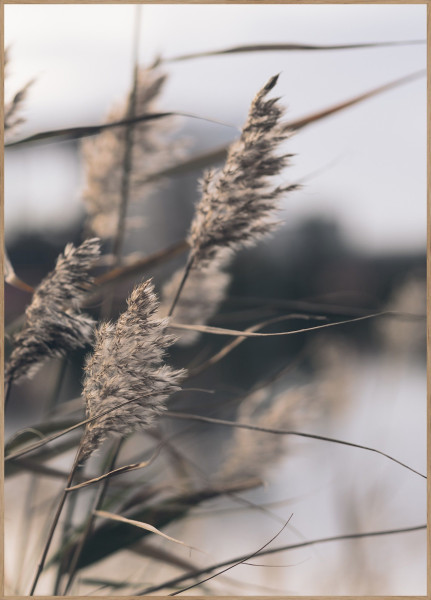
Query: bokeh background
x=353 y=239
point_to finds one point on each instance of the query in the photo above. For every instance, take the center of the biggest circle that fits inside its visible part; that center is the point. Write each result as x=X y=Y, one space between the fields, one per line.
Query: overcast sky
x=373 y=156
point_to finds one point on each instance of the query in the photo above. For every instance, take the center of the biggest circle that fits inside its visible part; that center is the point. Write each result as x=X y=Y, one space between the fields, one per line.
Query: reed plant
x=150 y=447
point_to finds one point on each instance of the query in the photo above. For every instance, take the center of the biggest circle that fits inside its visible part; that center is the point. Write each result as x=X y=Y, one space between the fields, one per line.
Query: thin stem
x=243 y=560
x=34 y=482
x=152 y=260
x=235 y=424
x=67 y=527
x=128 y=150
x=350 y=536
x=55 y=521
x=187 y=270
x=97 y=503
x=118 y=242
x=236 y=342
x=55 y=436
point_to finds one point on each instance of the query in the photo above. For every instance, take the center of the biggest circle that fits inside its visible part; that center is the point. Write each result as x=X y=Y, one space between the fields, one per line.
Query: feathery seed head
x=238 y=202
x=54 y=325
x=126 y=377
x=104 y=157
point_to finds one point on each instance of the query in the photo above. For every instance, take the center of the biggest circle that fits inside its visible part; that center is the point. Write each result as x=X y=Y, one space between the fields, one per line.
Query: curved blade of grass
x=235 y=564
x=179 y=415
x=111 y=537
x=287 y=47
x=162 y=555
x=246 y=333
x=106 y=583
x=326 y=112
x=225 y=350
x=146 y=526
x=311 y=307
x=336 y=538
x=76 y=133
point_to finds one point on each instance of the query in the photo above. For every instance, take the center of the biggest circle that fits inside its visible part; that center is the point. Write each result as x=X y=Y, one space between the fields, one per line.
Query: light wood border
x=384 y=2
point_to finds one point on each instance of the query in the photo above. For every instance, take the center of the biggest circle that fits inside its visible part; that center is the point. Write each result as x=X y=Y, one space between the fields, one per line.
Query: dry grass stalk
x=127 y=367
x=54 y=325
x=200 y=299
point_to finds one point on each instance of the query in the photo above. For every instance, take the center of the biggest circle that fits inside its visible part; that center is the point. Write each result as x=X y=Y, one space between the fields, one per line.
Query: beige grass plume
x=238 y=202
x=104 y=157
x=54 y=324
x=126 y=379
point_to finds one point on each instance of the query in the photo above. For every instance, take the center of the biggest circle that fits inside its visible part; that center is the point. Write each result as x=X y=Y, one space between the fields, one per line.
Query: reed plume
x=104 y=157
x=238 y=203
x=54 y=325
x=126 y=380
x=13 y=107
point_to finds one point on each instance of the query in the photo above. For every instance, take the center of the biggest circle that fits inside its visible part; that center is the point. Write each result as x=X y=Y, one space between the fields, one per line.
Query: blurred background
x=352 y=241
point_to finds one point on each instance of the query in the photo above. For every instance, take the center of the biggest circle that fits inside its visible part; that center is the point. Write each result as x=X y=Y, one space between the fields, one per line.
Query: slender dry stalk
x=349 y=536
x=54 y=325
x=200 y=299
x=129 y=138
x=54 y=523
x=97 y=503
x=127 y=366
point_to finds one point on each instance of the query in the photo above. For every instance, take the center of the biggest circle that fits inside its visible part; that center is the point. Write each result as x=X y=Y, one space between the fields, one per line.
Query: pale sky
x=373 y=156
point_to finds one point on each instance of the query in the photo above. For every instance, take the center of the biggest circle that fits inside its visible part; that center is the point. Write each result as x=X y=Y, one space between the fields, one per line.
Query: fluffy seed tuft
x=104 y=158
x=238 y=203
x=126 y=377
x=54 y=325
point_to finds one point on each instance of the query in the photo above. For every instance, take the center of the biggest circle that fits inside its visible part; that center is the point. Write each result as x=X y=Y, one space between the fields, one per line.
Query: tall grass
x=156 y=436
